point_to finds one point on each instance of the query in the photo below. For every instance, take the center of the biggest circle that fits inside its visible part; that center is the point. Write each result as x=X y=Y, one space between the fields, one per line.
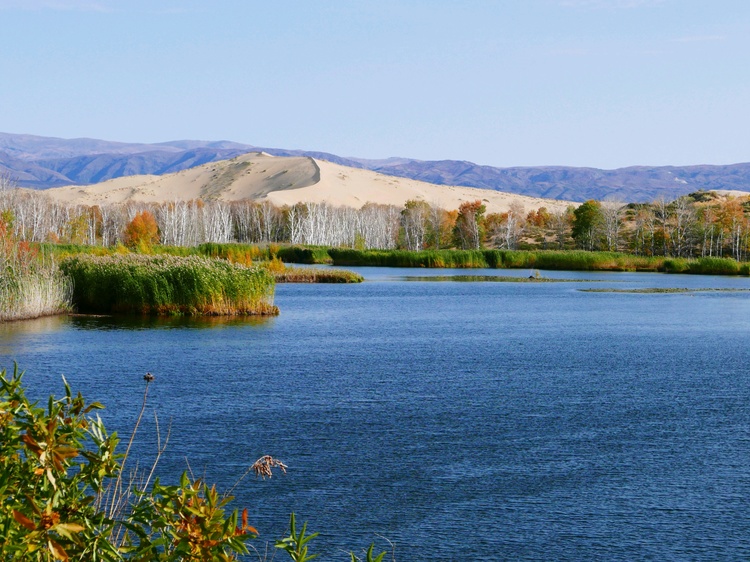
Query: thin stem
x=118 y=482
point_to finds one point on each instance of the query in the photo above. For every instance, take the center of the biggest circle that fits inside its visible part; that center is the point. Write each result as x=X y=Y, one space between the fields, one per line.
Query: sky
x=600 y=83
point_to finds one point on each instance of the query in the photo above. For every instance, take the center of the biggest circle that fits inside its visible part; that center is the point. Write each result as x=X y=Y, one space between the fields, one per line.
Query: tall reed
x=570 y=260
x=314 y=275
x=40 y=290
x=167 y=285
x=31 y=284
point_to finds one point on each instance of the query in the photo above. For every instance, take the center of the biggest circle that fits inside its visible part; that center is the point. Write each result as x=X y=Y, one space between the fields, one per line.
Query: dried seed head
x=264 y=465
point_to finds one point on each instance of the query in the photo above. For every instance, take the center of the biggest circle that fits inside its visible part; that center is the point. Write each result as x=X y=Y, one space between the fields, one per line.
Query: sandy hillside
x=283 y=180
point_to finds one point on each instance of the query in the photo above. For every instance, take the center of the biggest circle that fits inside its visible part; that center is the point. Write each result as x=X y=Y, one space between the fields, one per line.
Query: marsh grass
x=168 y=285
x=662 y=290
x=313 y=275
x=31 y=284
x=33 y=292
x=404 y=258
x=307 y=255
x=491 y=279
x=568 y=260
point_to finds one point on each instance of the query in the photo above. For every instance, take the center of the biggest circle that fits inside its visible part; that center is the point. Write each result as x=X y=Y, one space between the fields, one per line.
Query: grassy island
x=567 y=260
x=168 y=285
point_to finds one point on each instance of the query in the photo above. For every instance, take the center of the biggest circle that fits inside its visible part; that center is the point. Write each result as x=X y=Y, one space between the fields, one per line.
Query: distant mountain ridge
x=44 y=162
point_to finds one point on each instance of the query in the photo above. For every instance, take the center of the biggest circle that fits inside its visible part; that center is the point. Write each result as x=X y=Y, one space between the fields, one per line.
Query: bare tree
x=612 y=212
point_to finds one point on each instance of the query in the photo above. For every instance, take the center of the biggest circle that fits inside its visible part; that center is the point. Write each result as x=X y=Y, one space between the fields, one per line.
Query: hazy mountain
x=637 y=183
x=43 y=162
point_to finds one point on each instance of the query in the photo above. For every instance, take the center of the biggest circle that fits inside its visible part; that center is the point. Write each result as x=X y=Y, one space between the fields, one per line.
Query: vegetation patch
x=168 y=285
x=306 y=255
x=31 y=284
x=658 y=290
x=561 y=260
x=39 y=291
x=65 y=493
x=314 y=275
x=492 y=279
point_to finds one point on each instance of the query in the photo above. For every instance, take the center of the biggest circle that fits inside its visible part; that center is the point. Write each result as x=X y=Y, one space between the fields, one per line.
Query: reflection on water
x=137 y=322
x=50 y=324
x=12 y=331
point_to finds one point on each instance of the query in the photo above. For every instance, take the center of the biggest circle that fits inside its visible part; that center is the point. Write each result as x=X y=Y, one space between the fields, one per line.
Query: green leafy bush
x=62 y=495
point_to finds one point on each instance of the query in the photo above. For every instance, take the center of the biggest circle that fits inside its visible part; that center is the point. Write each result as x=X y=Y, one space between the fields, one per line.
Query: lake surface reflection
x=462 y=421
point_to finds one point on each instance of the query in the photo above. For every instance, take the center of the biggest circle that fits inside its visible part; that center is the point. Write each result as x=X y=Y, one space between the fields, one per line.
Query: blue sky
x=602 y=83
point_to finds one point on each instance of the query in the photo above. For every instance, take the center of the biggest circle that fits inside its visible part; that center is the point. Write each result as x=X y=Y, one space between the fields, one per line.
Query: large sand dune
x=286 y=181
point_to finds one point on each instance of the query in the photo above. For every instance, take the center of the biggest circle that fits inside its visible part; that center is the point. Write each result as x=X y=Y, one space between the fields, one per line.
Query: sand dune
x=289 y=180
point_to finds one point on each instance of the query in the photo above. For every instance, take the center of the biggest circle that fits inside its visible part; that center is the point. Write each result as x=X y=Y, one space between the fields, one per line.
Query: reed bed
x=306 y=255
x=313 y=275
x=169 y=285
x=568 y=260
x=34 y=292
x=405 y=258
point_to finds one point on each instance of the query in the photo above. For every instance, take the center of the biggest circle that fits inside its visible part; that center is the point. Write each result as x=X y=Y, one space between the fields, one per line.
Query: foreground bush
x=62 y=498
x=166 y=284
x=63 y=494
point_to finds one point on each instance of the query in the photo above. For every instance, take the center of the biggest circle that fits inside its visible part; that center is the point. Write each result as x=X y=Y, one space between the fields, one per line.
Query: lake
x=461 y=421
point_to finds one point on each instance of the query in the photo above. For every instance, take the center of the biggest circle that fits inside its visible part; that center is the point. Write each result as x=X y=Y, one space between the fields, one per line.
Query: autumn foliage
x=142 y=232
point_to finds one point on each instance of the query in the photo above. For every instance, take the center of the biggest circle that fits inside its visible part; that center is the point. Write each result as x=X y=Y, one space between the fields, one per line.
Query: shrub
x=61 y=495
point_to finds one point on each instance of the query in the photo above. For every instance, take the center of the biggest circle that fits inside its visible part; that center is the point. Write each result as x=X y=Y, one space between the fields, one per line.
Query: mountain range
x=45 y=162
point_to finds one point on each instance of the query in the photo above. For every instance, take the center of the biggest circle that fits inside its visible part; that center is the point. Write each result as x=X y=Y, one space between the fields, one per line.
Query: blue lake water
x=462 y=421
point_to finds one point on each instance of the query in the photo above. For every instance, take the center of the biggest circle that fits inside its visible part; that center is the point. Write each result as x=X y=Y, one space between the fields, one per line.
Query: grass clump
x=491 y=279
x=312 y=275
x=716 y=266
x=168 y=285
x=406 y=258
x=307 y=255
x=32 y=293
x=664 y=290
x=31 y=284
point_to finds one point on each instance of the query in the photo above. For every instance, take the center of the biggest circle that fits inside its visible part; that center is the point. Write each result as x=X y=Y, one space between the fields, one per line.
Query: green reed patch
x=405 y=258
x=168 y=285
x=304 y=254
x=314 y=275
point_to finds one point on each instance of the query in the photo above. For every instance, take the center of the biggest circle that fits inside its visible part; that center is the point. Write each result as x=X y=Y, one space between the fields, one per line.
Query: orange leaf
x=23 y=520
x=57 y=551
x=31 y=443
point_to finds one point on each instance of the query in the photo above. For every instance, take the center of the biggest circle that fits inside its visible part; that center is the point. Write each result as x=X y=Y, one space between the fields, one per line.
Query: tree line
x=696 y=225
